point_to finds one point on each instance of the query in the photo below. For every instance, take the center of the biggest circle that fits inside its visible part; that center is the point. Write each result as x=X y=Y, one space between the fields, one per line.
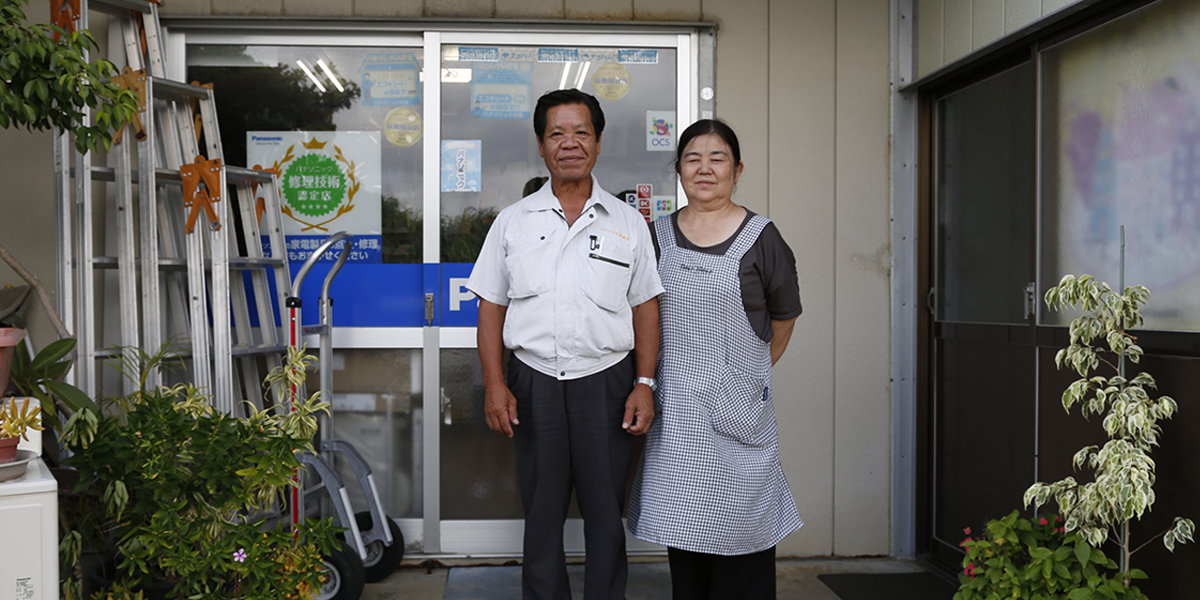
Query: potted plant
x=14 y=423
x=1122 y=487
x=9 y=338
x=170 y=487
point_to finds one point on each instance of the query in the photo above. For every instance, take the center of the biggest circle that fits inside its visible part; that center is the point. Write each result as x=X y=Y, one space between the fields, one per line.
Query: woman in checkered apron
x=710 y=486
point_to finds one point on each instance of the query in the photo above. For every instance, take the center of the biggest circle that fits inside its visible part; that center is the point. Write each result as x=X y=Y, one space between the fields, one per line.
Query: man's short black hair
x=560 y=97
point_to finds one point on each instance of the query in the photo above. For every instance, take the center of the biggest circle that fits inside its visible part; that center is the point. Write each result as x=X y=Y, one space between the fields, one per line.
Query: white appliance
x=29 y=527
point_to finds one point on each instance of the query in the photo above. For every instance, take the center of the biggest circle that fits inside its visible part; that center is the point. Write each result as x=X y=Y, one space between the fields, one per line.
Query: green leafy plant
x=1018 y=558
x=41 y=378
x=46 y=83
x=1122 y=488
x=171 y=487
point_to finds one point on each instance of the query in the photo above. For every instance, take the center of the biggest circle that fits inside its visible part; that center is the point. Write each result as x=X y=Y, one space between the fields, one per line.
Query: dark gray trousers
x=570 y=436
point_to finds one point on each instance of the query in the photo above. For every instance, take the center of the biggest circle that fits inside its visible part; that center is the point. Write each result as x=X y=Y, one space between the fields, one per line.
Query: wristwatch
x=649 y=381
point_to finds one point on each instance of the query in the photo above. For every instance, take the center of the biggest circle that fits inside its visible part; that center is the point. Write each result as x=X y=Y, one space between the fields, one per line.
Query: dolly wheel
x=343 y=578
x=382 y=560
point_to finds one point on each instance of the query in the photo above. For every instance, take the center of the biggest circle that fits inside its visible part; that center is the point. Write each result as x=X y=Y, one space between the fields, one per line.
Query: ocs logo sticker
x=660 y=130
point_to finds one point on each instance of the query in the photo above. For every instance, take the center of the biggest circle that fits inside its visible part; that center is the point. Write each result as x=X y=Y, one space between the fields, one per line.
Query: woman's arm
x=782 y=332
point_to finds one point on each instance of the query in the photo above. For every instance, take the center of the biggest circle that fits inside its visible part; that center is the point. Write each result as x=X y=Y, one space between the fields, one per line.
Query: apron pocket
x=737 y=405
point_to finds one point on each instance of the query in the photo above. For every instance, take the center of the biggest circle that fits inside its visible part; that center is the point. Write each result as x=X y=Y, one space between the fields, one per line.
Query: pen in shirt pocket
x=596 y=245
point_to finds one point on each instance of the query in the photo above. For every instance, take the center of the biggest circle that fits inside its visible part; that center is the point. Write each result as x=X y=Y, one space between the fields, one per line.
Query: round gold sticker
x=402 y=126
x=611 y=81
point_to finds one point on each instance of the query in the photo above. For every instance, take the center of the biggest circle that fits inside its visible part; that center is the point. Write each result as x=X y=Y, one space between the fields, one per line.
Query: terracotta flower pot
x=8 y=449
x=9 y=338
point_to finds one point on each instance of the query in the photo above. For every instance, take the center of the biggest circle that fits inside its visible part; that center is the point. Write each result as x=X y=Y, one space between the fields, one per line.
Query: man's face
x=570 y=144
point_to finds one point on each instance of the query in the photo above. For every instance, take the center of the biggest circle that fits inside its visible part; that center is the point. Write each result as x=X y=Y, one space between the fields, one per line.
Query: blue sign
x=459 y=307
x=367 y=249
x=478 y=54
x=558 y=55
x=386 y=295
x=640 y=56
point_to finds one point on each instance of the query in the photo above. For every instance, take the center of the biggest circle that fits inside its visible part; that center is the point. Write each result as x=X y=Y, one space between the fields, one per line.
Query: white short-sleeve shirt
x=569 y=291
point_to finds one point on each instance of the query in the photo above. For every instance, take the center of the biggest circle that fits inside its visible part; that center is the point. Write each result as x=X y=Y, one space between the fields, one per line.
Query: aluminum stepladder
x=379 y=543
x=198 y=290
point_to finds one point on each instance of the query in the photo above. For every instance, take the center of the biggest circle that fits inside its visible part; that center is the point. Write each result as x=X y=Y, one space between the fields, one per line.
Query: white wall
x=948 y=30
x=805 y=85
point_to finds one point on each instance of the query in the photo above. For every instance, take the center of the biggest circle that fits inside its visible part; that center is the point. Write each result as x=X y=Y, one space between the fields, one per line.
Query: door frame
x=694 y=44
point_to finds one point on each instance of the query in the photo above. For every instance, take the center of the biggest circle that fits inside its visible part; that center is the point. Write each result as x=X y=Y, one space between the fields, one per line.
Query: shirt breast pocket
x=609 y=270
x=530 y=264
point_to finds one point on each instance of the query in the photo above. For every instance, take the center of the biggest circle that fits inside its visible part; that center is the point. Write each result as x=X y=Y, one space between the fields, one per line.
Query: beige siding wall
x=948 y=30
x=805 y=84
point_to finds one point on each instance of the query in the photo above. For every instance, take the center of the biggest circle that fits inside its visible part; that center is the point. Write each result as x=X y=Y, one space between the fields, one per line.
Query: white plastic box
x=29 y=526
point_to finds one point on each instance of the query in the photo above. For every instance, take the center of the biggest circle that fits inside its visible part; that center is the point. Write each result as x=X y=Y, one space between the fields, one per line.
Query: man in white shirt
x=567 y=279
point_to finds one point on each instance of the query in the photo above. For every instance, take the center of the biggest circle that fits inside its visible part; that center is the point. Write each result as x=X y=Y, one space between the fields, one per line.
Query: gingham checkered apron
x=710 y=479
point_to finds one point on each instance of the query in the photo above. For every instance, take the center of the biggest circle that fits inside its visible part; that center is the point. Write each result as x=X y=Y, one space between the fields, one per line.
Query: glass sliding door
x=348 y=108
x=488 y=160
x=431 y=133
x=983 y=325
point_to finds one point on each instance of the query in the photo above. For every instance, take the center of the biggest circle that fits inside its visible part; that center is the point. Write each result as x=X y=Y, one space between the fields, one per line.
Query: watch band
x=649 y=381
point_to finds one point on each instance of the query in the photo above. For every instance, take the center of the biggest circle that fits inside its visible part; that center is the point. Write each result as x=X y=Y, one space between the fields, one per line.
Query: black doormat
x=889 y=586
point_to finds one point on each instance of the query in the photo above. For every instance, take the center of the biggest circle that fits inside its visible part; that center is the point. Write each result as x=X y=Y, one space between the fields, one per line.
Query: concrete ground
x=425 y=579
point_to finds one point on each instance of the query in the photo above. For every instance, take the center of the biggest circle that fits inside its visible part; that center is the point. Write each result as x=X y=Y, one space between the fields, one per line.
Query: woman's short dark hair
x=560 y=97
x=705 y=127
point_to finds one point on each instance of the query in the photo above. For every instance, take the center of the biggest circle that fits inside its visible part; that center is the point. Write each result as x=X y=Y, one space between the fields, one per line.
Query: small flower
x=240 y=555
x=967 y=530
x=1043 y=521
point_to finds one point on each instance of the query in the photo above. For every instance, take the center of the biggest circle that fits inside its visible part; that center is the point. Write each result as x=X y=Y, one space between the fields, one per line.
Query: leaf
x=1083 y=552
x=53 y=352
x=1079 y=594
x=73 y=397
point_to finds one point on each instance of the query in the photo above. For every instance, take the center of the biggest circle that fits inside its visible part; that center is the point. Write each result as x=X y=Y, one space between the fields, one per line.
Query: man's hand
x=501 y=409
x=499 y=405
x=639 y=410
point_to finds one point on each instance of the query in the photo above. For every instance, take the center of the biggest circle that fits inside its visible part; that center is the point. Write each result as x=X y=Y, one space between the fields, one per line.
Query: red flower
x=967 y=531
x=964 y=542
x=1043 y=521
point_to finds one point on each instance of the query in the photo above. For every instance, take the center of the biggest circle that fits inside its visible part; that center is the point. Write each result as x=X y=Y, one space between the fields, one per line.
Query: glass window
x=274 y=98
x=1122 y=148
x=377 y=396
x=985 y=174
x=488 y=96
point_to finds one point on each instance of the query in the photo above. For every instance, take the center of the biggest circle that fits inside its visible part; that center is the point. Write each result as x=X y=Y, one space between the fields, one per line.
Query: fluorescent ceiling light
x=314 y=79
x=337 y=84
x=562 y=83
x=582 y=74
x=456 y=75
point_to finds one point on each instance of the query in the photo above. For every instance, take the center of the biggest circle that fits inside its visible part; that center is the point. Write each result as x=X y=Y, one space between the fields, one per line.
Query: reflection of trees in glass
x=278 y=98
x=462 y=235
x=401 y=232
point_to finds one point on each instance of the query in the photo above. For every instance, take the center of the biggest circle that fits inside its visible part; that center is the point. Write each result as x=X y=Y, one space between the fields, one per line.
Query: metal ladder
x=186 y=250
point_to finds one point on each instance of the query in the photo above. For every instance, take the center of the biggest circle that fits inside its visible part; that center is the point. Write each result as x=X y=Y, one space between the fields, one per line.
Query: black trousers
x=570 y=436
x=698 y=576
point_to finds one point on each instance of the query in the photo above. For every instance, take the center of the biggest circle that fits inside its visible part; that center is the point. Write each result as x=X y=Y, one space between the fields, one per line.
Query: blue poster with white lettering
x=462 y=165
x=502 y=92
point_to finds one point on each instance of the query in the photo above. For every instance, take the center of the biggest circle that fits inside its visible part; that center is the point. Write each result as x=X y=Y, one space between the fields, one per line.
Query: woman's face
x=707 y=170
